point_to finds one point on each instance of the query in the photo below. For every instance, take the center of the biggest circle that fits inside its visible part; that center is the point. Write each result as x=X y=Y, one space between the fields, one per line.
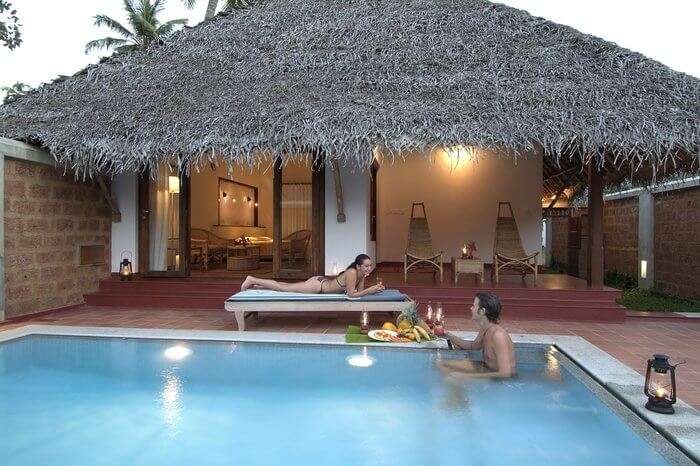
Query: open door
x=298 y=226
x=164 y=224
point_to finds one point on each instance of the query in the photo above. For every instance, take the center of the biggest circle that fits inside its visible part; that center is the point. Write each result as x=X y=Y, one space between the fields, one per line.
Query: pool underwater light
x=177 y=352
x=360 y=360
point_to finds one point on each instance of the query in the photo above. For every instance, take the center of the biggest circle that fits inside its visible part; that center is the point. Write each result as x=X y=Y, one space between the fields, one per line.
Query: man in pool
x=493 y=340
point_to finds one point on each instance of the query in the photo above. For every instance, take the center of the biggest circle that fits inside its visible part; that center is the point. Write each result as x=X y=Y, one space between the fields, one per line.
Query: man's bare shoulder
x=501 y=335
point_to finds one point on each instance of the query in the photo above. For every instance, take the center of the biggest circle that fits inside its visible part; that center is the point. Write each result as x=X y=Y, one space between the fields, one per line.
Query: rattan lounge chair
x=508 y=252
x=420 y=250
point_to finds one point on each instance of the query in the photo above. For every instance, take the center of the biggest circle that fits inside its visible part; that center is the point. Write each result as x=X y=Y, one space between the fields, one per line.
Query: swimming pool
x=116 y=401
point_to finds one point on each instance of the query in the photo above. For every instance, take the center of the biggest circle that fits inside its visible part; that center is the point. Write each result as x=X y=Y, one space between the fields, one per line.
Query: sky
x=55 y=32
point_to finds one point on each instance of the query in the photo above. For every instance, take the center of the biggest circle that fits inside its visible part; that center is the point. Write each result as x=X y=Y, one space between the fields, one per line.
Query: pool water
x=111 y=401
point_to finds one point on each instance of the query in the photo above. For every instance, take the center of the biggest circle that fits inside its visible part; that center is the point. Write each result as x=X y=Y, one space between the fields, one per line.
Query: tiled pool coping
x=682 y=428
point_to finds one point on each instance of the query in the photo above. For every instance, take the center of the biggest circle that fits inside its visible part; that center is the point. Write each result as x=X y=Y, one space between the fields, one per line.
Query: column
x=645 y=240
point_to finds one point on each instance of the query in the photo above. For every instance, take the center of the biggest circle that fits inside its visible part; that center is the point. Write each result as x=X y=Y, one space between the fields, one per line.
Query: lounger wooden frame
x=244 y=309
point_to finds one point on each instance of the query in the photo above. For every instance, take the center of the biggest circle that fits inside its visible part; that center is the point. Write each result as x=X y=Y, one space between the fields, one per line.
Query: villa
x=282 y=141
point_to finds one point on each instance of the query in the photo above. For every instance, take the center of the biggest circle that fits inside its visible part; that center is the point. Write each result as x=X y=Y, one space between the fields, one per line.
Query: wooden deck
x=556 y=296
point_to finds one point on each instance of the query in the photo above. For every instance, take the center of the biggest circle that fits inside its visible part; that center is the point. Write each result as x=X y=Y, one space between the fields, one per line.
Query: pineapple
x=410 y=314
x=410 y=318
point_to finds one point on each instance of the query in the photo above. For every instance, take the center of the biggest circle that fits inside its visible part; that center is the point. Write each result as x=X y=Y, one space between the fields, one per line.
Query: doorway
x=164 y=223
x=223 y=223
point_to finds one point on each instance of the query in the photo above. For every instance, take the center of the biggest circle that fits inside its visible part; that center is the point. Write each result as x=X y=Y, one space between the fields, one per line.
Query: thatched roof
x=342 y=76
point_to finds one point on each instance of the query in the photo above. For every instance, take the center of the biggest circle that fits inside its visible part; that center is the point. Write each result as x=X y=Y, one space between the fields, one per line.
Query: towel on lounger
x=269 y=295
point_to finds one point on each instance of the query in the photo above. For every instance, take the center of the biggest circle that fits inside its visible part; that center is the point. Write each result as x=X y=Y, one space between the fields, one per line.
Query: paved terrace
x=631 y=342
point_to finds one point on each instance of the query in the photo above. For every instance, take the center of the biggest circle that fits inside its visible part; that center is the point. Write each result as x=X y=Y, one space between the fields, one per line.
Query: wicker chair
x=295 y=246
x=420 y=250
x=211 y=247
x=508 y=252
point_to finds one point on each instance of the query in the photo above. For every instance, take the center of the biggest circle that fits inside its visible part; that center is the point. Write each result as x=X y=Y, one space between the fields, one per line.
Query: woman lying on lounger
x=351 y=281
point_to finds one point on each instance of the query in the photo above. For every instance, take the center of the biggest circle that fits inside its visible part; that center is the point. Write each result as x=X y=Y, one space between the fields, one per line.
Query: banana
x=417 y=335
x=423 y=333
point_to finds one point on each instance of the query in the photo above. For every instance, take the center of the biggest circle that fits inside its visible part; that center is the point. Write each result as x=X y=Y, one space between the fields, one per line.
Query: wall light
x=643 y=269
x=173 y=184
x=459 y=155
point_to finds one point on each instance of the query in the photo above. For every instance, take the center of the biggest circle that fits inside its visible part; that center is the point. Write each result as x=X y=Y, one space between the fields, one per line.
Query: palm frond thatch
x=343 y=76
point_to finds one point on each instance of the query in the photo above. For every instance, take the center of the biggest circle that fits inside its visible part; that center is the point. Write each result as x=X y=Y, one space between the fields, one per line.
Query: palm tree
x=14 y=91
x=142 y=16
x=229 y=5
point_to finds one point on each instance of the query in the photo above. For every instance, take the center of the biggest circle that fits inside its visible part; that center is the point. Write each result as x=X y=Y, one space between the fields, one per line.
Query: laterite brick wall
x=48 y=215
x=677 y=241
x=620 y=227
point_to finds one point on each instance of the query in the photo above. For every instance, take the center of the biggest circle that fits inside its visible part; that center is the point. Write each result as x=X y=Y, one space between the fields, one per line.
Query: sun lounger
x=254 y=301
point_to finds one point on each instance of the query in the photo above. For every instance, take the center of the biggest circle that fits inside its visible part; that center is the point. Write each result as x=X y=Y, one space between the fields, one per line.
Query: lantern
x=660 y=385
x=464 y=252
x=364 y=323
x=125 y=268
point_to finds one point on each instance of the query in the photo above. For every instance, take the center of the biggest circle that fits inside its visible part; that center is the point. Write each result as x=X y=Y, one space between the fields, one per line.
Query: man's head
x=486 y=306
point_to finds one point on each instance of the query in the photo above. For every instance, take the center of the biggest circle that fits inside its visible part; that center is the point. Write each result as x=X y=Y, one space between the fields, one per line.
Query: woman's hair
x=358 y=261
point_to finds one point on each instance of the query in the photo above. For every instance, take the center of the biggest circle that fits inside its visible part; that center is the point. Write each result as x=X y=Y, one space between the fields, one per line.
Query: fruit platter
x=404 y=332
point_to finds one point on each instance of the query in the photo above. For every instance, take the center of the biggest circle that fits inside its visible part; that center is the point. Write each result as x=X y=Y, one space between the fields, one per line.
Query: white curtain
x=160 y=223
x=296 y=208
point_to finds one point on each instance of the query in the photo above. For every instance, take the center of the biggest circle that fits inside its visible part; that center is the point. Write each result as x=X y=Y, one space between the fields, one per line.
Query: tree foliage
x=10 y=33
x=144 y=27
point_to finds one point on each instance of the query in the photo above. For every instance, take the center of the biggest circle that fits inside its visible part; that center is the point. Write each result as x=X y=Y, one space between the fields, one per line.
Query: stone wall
x=48 y=215
x=677 y=241
x=620 y=227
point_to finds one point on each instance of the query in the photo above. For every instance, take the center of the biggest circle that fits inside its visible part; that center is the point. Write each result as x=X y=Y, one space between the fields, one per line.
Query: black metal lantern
x=125 y=269
x=660 y=385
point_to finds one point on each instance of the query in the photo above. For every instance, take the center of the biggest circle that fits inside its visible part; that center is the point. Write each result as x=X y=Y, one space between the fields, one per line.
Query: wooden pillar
x=595 y=228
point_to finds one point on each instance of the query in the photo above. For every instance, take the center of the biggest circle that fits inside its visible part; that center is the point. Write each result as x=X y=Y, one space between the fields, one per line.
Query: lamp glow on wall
x=458 y=156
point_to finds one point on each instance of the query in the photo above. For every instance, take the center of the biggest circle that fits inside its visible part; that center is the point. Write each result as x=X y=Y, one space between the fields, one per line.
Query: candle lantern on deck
x=125 y=268
x=429 y=315
x=660 y=385
x=364 y=323
x=439 y=322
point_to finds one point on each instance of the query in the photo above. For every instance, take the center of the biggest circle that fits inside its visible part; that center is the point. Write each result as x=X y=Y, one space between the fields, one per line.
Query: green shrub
x=620 y=280
x=656 y=300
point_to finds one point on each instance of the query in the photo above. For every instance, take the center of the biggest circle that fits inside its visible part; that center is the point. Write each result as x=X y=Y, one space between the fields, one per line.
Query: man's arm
x=460 y=343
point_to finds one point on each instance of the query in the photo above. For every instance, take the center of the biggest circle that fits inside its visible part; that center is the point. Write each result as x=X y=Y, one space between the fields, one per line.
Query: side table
x=460 y=266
